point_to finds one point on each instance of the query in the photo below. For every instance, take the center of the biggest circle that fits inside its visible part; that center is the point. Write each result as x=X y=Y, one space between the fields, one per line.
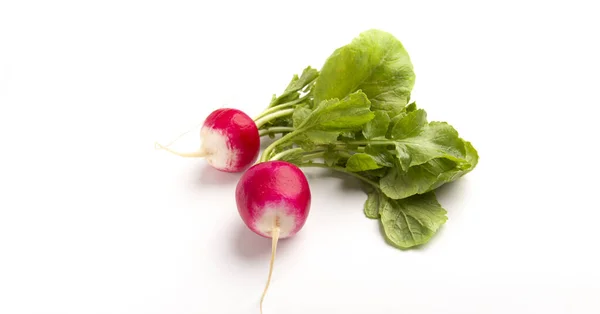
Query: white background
x=94 y=220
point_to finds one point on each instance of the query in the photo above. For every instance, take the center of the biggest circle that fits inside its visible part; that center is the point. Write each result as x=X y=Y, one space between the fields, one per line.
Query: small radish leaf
x=299 y=115
x=377 y=128
x=410 y=125
x=349 y=113
x=361 y=162
x=411 y=221
x=297 y=84
x=373 y=204
x=417 y=143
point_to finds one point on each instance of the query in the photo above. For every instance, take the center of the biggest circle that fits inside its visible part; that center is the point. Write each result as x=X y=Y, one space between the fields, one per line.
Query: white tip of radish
x=215 y=146
x=274 y=238
x=274 y=212
x=182 y=154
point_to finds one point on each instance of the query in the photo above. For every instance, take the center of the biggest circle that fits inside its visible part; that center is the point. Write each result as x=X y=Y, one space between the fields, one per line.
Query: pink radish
x=273 y=198
x=230 y=141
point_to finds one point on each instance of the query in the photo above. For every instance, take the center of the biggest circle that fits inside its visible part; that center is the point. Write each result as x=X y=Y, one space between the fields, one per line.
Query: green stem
x=282 y=106
x=275 y=129
x=285 y=153
x=340 y=169
x=340 y=147
x=370 y=142
x=277 y=114
x=343 y=147
x=308 y=156
x=313 y=155
x=319 y=154
x=280 y=141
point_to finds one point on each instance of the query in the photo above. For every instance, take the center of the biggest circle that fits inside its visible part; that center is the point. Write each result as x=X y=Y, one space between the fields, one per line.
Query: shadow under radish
x=265 y=141
x=207 y=175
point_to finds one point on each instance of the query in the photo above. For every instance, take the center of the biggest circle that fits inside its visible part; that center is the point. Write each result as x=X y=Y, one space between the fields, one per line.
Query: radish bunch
x=273 y=197
x=353 y=116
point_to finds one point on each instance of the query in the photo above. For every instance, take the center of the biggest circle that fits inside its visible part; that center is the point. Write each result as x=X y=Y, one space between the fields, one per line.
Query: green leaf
x=300 y=114
x=376 y=174
x=308 y=75
x=398 y=184
x=348 y=135
x=433 y=140
x=287 y=98
x=381 y=155
x=319 y=137
x=411 y=221
x=393 y=121
x=296 y=84
x=472 y=159
x=410 y=125
x=377 y=128
x=472 y=155
x=373 y=203
x=427 y=177
x=361 y=162
x=293 y=156
x=374 y=62
x=339 y=115
x=309 y=140
x=285 y=121
x=331 y=158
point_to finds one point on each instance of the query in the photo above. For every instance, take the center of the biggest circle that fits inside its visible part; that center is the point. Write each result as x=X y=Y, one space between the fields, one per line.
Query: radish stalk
x=274 y=115
x=274 y=130
x=282 y=106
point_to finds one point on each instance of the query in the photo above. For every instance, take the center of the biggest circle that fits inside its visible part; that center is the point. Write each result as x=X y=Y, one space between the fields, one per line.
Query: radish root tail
x=191 y=154
x=274 y=238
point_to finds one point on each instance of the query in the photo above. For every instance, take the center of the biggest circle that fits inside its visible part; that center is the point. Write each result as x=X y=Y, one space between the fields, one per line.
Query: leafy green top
x=354 y=116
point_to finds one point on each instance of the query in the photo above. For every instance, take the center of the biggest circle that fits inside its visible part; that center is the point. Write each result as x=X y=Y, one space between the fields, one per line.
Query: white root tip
x=274 y=238
x=158 y=146
x=189 y=154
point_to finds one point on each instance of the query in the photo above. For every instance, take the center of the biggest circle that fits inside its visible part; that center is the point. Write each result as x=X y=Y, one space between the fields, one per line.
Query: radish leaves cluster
x=355 y=116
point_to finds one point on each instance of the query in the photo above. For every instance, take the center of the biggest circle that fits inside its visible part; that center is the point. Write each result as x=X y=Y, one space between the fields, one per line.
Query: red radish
x=230 y=141
x=273 y=199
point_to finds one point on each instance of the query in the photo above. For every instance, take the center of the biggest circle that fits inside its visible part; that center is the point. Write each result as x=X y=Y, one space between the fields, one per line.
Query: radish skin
x=273 y=199
x=230 y=141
